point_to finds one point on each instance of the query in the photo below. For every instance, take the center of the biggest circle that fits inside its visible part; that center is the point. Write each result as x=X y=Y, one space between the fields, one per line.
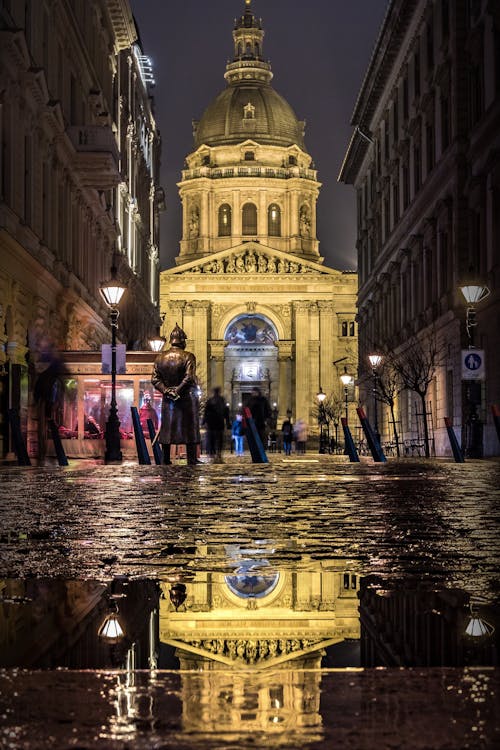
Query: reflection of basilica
x=250 y=288
x=254 y=641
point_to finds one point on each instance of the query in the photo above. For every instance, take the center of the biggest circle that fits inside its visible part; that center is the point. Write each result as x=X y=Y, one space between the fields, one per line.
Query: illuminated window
x=249 y=216
x=274 y=220
x=225 y=220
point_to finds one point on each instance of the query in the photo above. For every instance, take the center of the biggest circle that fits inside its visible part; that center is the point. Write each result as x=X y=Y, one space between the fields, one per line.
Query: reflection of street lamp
x=375 y=360
x=473 y=294
x=112 y=292
x=346 y=381
x=111 y=629
x=477 y=627
x=321 y=418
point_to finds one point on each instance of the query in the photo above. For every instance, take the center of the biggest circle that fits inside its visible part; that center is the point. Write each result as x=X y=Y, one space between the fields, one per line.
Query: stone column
x=262 y=215
x=314 y=384
x=326 y=336
x=236 y=214
x=285 y=395
x=217 y=354
x=200 y=338
x=204 y=221
x=302 y=338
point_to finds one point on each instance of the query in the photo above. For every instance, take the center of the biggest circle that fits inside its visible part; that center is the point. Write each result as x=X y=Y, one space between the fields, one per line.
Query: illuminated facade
x=424 y=162
x=249 y=254
x=79 y=165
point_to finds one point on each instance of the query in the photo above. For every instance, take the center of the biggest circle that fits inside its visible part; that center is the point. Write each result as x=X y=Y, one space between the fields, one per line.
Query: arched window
x=344 y=328
x=225 y=220
x=274 y=220
x=249 y=156
x=257 y=50
x=352 y=330
x=249 y=218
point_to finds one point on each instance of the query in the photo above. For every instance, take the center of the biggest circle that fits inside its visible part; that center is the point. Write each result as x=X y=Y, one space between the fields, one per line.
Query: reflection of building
x=424 y=161
x=53 y=623
x=404 y=628
x=79 y=163
x=267 y=624
x=250 y=289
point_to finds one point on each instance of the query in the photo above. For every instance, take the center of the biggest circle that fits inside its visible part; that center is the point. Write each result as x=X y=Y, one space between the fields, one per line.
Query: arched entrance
x=251 y=359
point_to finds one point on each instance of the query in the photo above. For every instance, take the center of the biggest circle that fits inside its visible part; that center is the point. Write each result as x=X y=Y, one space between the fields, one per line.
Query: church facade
x=250 y=288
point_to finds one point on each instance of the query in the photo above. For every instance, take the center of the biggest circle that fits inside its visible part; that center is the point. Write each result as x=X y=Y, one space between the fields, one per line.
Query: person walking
x=300 y=435
x=287 y=432
x=174 y=375
x=215 y=419
x=147 y=411
x=237 y=433
x=260 y=410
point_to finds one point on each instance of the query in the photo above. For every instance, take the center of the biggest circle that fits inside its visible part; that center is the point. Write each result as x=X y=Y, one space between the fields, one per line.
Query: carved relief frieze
x=252 y=261
x=254 y=650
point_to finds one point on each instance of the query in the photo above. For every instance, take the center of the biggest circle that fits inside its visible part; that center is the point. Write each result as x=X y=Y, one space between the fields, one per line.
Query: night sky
x=318 y=51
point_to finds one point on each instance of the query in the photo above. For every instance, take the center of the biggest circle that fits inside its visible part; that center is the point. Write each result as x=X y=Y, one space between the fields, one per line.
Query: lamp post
x=473 y=294
x=375 y=361
x=321 y=418
x=112 y=292
x=346 y=381
x=157 y=342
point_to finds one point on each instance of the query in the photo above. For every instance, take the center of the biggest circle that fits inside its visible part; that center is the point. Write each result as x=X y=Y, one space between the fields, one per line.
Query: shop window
x=67 y=412
x=96 y=404
x=274 y=220
x=225 y=220
x=249 y=215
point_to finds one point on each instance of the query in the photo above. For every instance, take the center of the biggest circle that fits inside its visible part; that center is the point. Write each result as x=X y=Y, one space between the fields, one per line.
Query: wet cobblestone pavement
x=411 y=527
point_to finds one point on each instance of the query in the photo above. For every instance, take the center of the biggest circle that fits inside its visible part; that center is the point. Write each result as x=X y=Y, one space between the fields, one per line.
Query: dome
x=249 y=111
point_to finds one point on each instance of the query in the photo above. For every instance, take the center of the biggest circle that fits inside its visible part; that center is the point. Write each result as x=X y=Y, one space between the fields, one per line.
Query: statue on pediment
x=230 y=266
x=240 y=264
x=262 y=263
x=250 y=263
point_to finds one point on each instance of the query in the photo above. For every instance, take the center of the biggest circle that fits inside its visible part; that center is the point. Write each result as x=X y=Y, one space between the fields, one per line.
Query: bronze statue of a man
x=174 y=375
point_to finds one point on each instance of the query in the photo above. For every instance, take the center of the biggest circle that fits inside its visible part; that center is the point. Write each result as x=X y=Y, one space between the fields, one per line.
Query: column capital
x=217 y=349
x=285 y=349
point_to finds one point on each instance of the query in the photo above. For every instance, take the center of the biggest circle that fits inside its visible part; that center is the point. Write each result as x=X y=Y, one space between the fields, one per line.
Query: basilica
x=249 y=287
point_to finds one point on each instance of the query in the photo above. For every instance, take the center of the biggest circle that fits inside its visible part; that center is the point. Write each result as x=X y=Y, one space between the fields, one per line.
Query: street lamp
x=157 y=342
x=111 y=629
x=375 y=361
x=473 y=294
x=112 y=292
x=346 y=381
x=321 y=418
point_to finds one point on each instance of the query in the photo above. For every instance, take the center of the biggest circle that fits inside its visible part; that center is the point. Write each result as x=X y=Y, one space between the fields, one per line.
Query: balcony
x=280 y=173
x=97 y=156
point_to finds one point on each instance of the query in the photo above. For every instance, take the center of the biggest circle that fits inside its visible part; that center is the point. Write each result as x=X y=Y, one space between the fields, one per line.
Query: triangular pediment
x=253 y=258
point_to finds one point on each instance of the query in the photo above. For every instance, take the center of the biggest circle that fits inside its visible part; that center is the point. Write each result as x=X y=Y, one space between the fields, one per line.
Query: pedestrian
x=147 y=411
x=287 y=432
x=215 y=419
x=300 y=435
x=237 y=433
x=260 y=410
x=174 y=375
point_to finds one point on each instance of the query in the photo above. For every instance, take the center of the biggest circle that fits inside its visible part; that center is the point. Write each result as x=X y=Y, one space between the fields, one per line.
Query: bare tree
x=389 y=386
x=329 y=411
x=416 y=366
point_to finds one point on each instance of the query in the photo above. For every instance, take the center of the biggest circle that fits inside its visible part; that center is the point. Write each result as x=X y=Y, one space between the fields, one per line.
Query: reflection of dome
x=274 y=121
x=248 y=584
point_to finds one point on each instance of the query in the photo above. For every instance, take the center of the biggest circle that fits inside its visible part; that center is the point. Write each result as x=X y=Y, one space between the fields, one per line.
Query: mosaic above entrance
x=251 y=330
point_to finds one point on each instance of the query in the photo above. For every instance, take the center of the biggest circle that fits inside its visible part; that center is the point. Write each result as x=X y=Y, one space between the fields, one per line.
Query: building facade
x=250 y=288
x=424 y=159
x=79 y=166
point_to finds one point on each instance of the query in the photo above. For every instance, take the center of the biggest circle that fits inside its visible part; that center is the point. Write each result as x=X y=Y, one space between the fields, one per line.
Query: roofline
x=394 y=26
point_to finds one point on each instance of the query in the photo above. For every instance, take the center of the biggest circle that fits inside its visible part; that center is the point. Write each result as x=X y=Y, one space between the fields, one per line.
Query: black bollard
x=62 y=459
x=157 y=451
x=457 y=453
x=373 y=444
x=350 y=448
x=17 y=438
x=253 y=439
x=140 y=442
x=496 y=418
